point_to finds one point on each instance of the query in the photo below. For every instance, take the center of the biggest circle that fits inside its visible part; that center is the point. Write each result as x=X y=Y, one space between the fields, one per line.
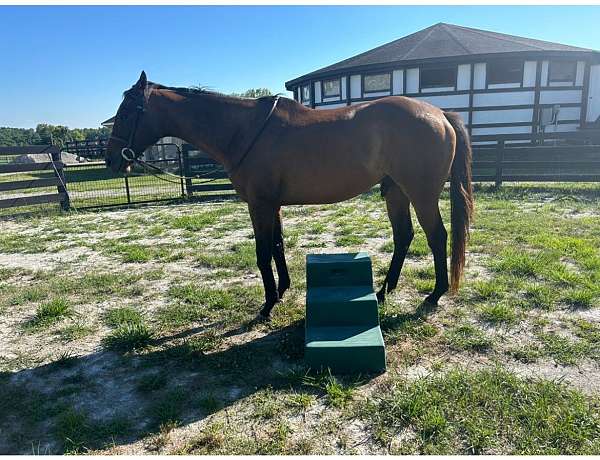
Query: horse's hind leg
x=279 y=255
x=428 y=213
x=397 y=204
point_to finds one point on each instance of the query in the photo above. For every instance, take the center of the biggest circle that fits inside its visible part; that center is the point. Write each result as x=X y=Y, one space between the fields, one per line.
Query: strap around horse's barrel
x=255 y=139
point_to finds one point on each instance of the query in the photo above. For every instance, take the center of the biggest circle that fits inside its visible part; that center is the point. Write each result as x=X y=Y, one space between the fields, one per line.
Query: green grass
x=564 y=350
x=240 y=256
x=120 y=316
x=520 y=263
x=539 y=296
x=128 y=337
x=498 y=313
x=196 y=222
x=467 y=337
x=488 y=289
x=79 y=433
x=138 y=253
x=193 y=303
x=338 y=394
x=486 y=411
x=75 y=331
x=49 y=313
x=151 y=382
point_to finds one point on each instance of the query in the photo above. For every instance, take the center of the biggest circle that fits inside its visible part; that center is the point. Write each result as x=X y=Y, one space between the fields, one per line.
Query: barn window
x=376 y=83
x=332 y=88
x=438 y=77
x=306 y=93
x=502 y=72
x=562 y=71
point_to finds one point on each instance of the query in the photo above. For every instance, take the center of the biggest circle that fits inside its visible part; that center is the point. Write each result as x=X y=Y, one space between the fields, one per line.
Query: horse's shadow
x=107 y=398
x=104 y=399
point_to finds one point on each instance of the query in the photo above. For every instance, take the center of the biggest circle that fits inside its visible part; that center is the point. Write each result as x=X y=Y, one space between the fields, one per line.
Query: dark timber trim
x=471 y=84
x=585 y=94
x=536 y=99
x=348 y=89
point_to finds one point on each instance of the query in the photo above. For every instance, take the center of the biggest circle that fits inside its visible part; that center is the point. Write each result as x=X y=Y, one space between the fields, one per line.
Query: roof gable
x=443 y=41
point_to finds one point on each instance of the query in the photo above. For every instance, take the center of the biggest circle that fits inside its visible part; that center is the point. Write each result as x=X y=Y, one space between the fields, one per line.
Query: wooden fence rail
x=535 y=163
x=54 y=165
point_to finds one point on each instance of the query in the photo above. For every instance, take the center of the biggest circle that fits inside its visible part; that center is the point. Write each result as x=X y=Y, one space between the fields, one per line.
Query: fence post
x=59 y=172
x=499 y=160
x=127 y=189
x=186 y=169
x=181 y=172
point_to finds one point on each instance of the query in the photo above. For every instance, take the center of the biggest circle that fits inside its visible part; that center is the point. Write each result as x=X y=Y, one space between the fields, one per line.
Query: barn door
x=593 y=107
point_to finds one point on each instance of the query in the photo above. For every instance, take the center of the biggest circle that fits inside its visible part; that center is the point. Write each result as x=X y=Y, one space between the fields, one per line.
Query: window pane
x=499 y=72
x=305 y=93
x=375 y=83
x=563 y=71
x=331 y=88
x=439 y=77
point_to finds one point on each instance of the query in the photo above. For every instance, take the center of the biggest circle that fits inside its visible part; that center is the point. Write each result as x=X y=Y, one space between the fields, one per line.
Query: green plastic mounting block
x=342 y=319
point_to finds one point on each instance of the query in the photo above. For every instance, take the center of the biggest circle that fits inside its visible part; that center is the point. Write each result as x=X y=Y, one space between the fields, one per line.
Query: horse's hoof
x=380 y=297
x=262 y=318
x=432 y=299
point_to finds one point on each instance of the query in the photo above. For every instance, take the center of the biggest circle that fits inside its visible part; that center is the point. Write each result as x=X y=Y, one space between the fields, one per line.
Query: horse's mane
x=194 y=90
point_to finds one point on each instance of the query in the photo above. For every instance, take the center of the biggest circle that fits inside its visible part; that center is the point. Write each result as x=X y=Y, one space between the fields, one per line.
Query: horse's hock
x=342 y=320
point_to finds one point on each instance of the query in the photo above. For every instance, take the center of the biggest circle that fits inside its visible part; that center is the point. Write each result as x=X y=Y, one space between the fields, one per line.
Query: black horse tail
x=461 y=198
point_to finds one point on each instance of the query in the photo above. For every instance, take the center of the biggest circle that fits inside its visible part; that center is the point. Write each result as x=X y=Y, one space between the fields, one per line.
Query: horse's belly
x=322 y=190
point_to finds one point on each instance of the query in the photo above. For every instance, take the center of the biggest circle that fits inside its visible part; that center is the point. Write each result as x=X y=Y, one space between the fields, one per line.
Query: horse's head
x=133 y=130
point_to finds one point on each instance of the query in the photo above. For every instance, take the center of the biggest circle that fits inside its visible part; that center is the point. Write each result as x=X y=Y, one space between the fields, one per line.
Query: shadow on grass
x=82 y=403
x=391 y=323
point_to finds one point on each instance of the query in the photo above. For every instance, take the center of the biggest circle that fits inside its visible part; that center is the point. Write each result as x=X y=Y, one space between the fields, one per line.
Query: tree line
x=44 y=134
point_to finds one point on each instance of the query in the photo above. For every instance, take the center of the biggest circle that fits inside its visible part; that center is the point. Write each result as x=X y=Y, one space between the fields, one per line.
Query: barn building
x=500 y=84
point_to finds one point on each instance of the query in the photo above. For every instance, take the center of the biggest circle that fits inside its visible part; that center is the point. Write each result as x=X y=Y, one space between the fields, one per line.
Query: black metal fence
x=93 y=185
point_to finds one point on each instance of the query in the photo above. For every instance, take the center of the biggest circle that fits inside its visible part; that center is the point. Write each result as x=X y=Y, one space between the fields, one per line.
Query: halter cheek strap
x=127 y=152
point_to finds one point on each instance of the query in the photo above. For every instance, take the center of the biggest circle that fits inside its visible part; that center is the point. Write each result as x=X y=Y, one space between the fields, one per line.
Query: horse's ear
x=142 y=83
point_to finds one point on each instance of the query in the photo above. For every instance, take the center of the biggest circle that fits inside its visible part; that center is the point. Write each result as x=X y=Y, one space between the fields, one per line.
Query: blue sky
x=69 y=65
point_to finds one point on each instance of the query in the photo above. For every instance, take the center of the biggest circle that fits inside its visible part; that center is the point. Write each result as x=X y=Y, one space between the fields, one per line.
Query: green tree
x=254 y=93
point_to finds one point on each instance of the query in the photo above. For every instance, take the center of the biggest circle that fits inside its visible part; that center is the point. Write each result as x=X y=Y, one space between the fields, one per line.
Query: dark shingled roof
x=444 y=41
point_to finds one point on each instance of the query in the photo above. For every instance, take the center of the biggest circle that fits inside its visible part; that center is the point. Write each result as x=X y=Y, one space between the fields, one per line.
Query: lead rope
x=150 y=167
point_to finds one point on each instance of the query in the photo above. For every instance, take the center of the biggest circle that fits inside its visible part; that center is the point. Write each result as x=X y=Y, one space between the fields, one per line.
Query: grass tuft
x=129 y=336
x=49 y=313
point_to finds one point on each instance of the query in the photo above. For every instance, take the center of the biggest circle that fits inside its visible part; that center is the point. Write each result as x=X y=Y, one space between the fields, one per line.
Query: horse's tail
x=461 y=198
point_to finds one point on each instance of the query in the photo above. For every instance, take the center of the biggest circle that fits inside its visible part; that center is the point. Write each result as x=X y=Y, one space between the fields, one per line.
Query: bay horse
x=278 y=152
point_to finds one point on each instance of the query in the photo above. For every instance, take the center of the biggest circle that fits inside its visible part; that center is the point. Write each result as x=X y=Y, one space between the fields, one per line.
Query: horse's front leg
x=279 y=255
x=263 y=219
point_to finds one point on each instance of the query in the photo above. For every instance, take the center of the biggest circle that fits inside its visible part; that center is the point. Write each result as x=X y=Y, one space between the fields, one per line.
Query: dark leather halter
x=132 y=157
x=140 y=109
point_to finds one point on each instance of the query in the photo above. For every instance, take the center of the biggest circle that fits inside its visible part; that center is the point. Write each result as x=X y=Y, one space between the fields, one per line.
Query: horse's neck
x=219 y=125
